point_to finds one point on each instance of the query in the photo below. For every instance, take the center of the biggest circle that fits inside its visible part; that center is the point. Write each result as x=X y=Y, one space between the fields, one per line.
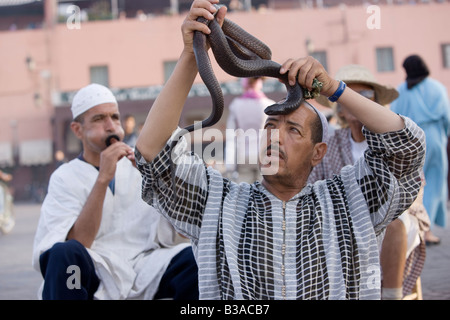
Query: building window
x=100 y=75
x=321 y=56
x=169 y=66
x=446 y=55
x=385 y=59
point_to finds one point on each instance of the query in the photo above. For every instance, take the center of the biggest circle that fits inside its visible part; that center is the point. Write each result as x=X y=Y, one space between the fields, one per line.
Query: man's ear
x=76 y=129
x=320 y=149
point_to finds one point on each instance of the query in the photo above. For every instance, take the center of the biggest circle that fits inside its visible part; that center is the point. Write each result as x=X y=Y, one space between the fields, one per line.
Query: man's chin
x=270 y=169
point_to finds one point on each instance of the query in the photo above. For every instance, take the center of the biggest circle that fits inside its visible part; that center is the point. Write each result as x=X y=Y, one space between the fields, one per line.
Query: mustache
x=274 y=148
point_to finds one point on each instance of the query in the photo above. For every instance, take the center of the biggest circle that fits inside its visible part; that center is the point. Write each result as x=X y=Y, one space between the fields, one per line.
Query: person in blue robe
x=426 y=102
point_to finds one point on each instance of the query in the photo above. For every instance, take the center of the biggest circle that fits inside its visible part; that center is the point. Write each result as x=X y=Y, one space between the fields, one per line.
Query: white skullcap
x=323 y=121
x=89 y=97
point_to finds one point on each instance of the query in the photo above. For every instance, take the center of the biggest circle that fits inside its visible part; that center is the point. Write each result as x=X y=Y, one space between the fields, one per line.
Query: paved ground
x=435 y=275
x=19 y=281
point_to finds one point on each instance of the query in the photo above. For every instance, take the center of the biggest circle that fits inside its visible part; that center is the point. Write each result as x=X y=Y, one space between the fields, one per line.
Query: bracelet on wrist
x=336 y=95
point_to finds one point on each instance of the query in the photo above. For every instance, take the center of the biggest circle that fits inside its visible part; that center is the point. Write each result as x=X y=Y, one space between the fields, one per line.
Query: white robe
x=134 y=244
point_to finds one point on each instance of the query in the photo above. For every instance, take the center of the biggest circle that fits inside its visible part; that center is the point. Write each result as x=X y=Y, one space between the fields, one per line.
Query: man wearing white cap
x=96 y=238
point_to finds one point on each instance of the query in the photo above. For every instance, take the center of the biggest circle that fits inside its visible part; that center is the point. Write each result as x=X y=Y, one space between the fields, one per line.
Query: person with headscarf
x=281 y=238
x=96 y=238
x=425 y=101
x=403 y=248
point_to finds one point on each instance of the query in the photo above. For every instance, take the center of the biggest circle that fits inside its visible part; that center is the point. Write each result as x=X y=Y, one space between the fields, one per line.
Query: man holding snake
x=282 y=238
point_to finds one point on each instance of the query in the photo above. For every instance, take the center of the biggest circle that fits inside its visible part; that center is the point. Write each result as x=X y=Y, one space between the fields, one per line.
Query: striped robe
x=321 y=244
x=339 y=154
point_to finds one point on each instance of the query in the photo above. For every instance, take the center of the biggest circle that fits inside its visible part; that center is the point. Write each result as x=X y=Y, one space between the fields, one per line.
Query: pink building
x=41 y=68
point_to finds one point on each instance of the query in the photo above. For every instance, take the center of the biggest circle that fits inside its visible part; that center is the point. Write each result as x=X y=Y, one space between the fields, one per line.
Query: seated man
x=282 y=238
x=96 y=238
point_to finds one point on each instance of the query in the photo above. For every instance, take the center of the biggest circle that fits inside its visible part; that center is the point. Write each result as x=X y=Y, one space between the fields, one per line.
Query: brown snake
x=241 y=55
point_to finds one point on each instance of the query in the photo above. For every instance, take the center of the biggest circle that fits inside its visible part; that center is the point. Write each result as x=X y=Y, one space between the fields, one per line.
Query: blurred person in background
x=60 y=158
x=7 y=219
x=425 y=101
x=403 y=248
x=93 y=218
x=129 y=126
x=246 y=117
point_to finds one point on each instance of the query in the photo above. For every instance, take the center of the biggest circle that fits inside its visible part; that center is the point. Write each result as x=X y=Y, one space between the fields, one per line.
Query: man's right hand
x=199 y=8
x=109 y=158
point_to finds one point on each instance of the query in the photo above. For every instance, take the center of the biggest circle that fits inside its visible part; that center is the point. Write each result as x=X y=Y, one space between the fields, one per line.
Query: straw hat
x=358 y=74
